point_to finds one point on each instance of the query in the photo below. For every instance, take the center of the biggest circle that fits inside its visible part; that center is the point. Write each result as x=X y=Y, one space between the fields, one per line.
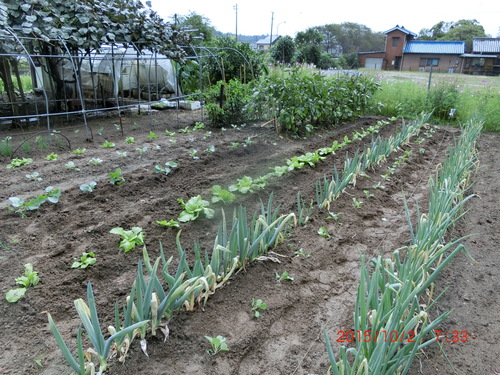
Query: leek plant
x=378 y=151
x=100 y=346
x=398 y=294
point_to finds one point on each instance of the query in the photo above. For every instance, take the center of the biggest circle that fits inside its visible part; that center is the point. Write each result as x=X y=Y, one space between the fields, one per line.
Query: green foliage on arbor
x=231 y=59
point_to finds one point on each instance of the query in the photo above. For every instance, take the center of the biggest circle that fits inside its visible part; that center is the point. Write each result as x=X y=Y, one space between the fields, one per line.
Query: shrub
x=225 y=102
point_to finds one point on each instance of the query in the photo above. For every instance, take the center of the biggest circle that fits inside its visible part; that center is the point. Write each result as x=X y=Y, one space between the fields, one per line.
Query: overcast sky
x=290 y=17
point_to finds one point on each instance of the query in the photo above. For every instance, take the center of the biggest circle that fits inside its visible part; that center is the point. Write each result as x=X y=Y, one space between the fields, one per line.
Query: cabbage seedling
x=95 y=161
x=130 y=140
x=71 y=165
x=130 y=238
x=257 y=304
x=283 y=277
x=218 y=344
x=87 y=259
x=88 y=188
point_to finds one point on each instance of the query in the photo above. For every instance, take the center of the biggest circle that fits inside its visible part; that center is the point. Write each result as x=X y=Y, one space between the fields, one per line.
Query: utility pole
x=236 y=9
x=271 y=36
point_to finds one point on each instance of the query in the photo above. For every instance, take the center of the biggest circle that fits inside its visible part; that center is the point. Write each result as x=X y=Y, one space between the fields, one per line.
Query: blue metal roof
x=486 y=45
x=432 y=46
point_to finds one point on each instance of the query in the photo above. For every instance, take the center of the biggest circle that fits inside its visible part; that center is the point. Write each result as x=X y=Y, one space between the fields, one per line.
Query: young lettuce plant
x=116 y=178
x=30 y=278
x=14 y=163
x=87 y=259
x=222 y=195
x=193 y=208
x=130 y=238
x=171 y=223
x=244 y=185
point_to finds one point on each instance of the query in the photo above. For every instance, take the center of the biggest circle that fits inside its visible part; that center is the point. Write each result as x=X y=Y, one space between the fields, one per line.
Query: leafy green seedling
x=356 y=203
x=35 y=176
x=116 y=178
x=244 y=185
x=193 y=154
x=130 y=238
x=283 y=277
x=185 y=130
x=334 y=215
x=122 y=154
x=108 y=144
x=14 y=163
x=171 y=223
x=169 y=165
x=379 y=186
x=257 y=304
x=130 y=140
x=323 y=232
x=368 y=194
x=96 y=161
x=152 y=135
x=141 y=151
x=71 y=165
x=79 y=151
x=169 y=133
x=301 y=252
x=235 y=144
x=222 y=195
x=87 y=259
x=218 y=344
x=193 y=208
x=88 y=188
x=30 y=278
x=210 y=149
x=18 y=205
x=52 y=156
x=199 y=126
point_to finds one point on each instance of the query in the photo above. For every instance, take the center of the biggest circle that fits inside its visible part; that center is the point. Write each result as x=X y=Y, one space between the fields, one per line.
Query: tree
x=283 y=50
x=462 y=30
x=204 y=31
x=349 y=37
x=309 y=46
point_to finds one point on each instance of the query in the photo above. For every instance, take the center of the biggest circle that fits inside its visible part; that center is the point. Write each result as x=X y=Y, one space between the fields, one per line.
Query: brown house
x=390 y=59
x=441 y=56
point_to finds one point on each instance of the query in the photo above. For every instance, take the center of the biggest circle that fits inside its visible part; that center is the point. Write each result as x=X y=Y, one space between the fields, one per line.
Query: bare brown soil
x=287 y=337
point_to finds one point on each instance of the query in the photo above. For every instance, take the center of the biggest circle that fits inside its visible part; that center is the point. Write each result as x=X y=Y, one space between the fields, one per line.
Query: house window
x=395 y=41
x=425 y=61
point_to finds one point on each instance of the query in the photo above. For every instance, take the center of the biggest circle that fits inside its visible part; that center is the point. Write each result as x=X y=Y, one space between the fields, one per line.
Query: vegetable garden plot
x=322 y=272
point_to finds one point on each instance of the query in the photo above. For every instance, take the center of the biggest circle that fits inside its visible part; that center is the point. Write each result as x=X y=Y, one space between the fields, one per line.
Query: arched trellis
x=81 y=101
